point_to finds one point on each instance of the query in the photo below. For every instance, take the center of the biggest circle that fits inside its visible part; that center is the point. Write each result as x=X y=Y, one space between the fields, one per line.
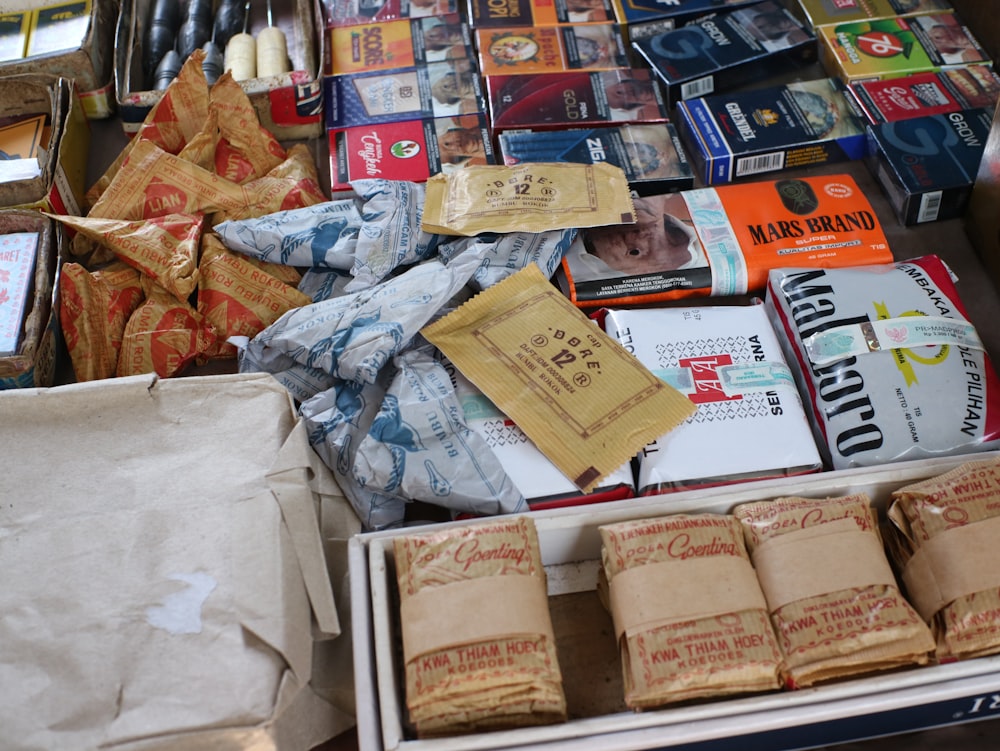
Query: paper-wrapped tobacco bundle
x=945 y=533
x=689 y=614
x=478 y=645
x=834 y=601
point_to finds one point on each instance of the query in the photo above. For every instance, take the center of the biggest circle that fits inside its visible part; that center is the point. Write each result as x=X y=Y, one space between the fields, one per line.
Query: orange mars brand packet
x=946 y=529
x=478 y=644
x=833 y=599
x=689 y=613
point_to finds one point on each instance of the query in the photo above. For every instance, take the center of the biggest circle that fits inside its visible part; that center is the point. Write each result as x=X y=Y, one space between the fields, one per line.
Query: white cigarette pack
x=750 y=422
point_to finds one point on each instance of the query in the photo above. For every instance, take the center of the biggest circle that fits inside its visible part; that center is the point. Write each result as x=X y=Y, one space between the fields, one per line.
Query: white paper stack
x=17 y=266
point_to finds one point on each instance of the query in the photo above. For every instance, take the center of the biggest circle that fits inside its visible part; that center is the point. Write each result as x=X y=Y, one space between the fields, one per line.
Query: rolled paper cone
x=272 y=52
x=241 y=57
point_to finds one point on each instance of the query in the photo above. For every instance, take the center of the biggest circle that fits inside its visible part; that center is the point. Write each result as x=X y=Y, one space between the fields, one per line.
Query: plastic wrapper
x=323 y=235
x=833 y=599
x=405 y=438
x=163 y=336
x=95 y=306
x=354 y=336
x=391 y=236
x=237 y=297
x=478 y=641
x=503 y=255
x=944 y=533
x=164 y=248
x=322 y=284
x=690 y=618
x=887 y=362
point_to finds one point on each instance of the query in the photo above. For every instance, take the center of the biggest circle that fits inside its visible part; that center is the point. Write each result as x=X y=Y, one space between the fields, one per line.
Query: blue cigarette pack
x=646 y=18
x=928 y=165
x=746 y=133
x=440 y=89
x=650 y=155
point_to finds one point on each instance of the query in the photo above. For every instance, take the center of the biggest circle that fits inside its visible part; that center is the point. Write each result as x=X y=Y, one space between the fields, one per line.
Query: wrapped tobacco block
x=478 y=645
x=690 y=618
x=833 y=599
x=944 y=533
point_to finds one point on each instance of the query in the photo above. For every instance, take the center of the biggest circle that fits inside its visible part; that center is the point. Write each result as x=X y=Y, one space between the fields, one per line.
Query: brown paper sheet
x=840 y=555
x=958 y=562
x=697 y=588
x=585 y=401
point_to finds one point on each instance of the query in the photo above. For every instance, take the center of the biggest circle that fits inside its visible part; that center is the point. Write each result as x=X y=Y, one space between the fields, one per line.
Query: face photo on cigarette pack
x=771 y=25
x=631 y=98
x=662 y=239
x=949 y=39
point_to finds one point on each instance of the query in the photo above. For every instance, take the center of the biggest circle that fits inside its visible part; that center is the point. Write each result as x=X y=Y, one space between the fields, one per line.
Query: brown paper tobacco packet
x=944 y=537
x=478 y=645
x=163 y=336
x=833 y=599
x=153 y=183
x=587 y=404
x=164 y=248
x=527 y=198
x=171 y=123
x=237 y=297
x=689 y=614
x=94 y=307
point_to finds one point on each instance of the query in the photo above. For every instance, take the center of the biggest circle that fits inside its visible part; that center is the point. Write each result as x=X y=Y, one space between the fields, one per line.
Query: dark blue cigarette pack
x=650 y=155
x=748 y=133
x=646 y=18
x=726 y=50
x=928 y=165
x=440 y=89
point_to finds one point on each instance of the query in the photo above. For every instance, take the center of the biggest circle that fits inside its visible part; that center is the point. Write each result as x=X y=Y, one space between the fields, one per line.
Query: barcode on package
x=930 y=205
x=752 y=165
x=698 y=87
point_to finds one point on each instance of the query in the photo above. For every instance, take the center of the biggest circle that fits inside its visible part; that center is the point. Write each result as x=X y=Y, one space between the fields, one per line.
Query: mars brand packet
x=410 y=150
x=727 y=360
x=540 y=101
x=396 y=44
x=721 y=241
x=736 y=135
x=549 y=49
x=487 y=13
x=893 y=47
x=728 y=49
x=916 y=384
x=928 y=93
x=440 y=89
x=650 y=155
x=927 y=165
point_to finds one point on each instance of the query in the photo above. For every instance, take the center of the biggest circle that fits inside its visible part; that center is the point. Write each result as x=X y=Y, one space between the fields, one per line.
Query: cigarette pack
x=722 y=241
x=927 y=165
x=550 y=49
x=55 y=28
x=410 y=150
x=930 y=93
x=14 y=35
x=441 y=89
x=646 y=18
x=541 y=101
x=725 y=50
x=822 y=12
x=396 y=44
x=357 y=12
x=487 y=13
x=650 y=155
x=893 y=47
x=17 y=268
x=735 y=135
x=728 y=361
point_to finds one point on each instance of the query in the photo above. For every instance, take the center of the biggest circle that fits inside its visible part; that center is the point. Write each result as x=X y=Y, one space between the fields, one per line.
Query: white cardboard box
x=855 y=709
